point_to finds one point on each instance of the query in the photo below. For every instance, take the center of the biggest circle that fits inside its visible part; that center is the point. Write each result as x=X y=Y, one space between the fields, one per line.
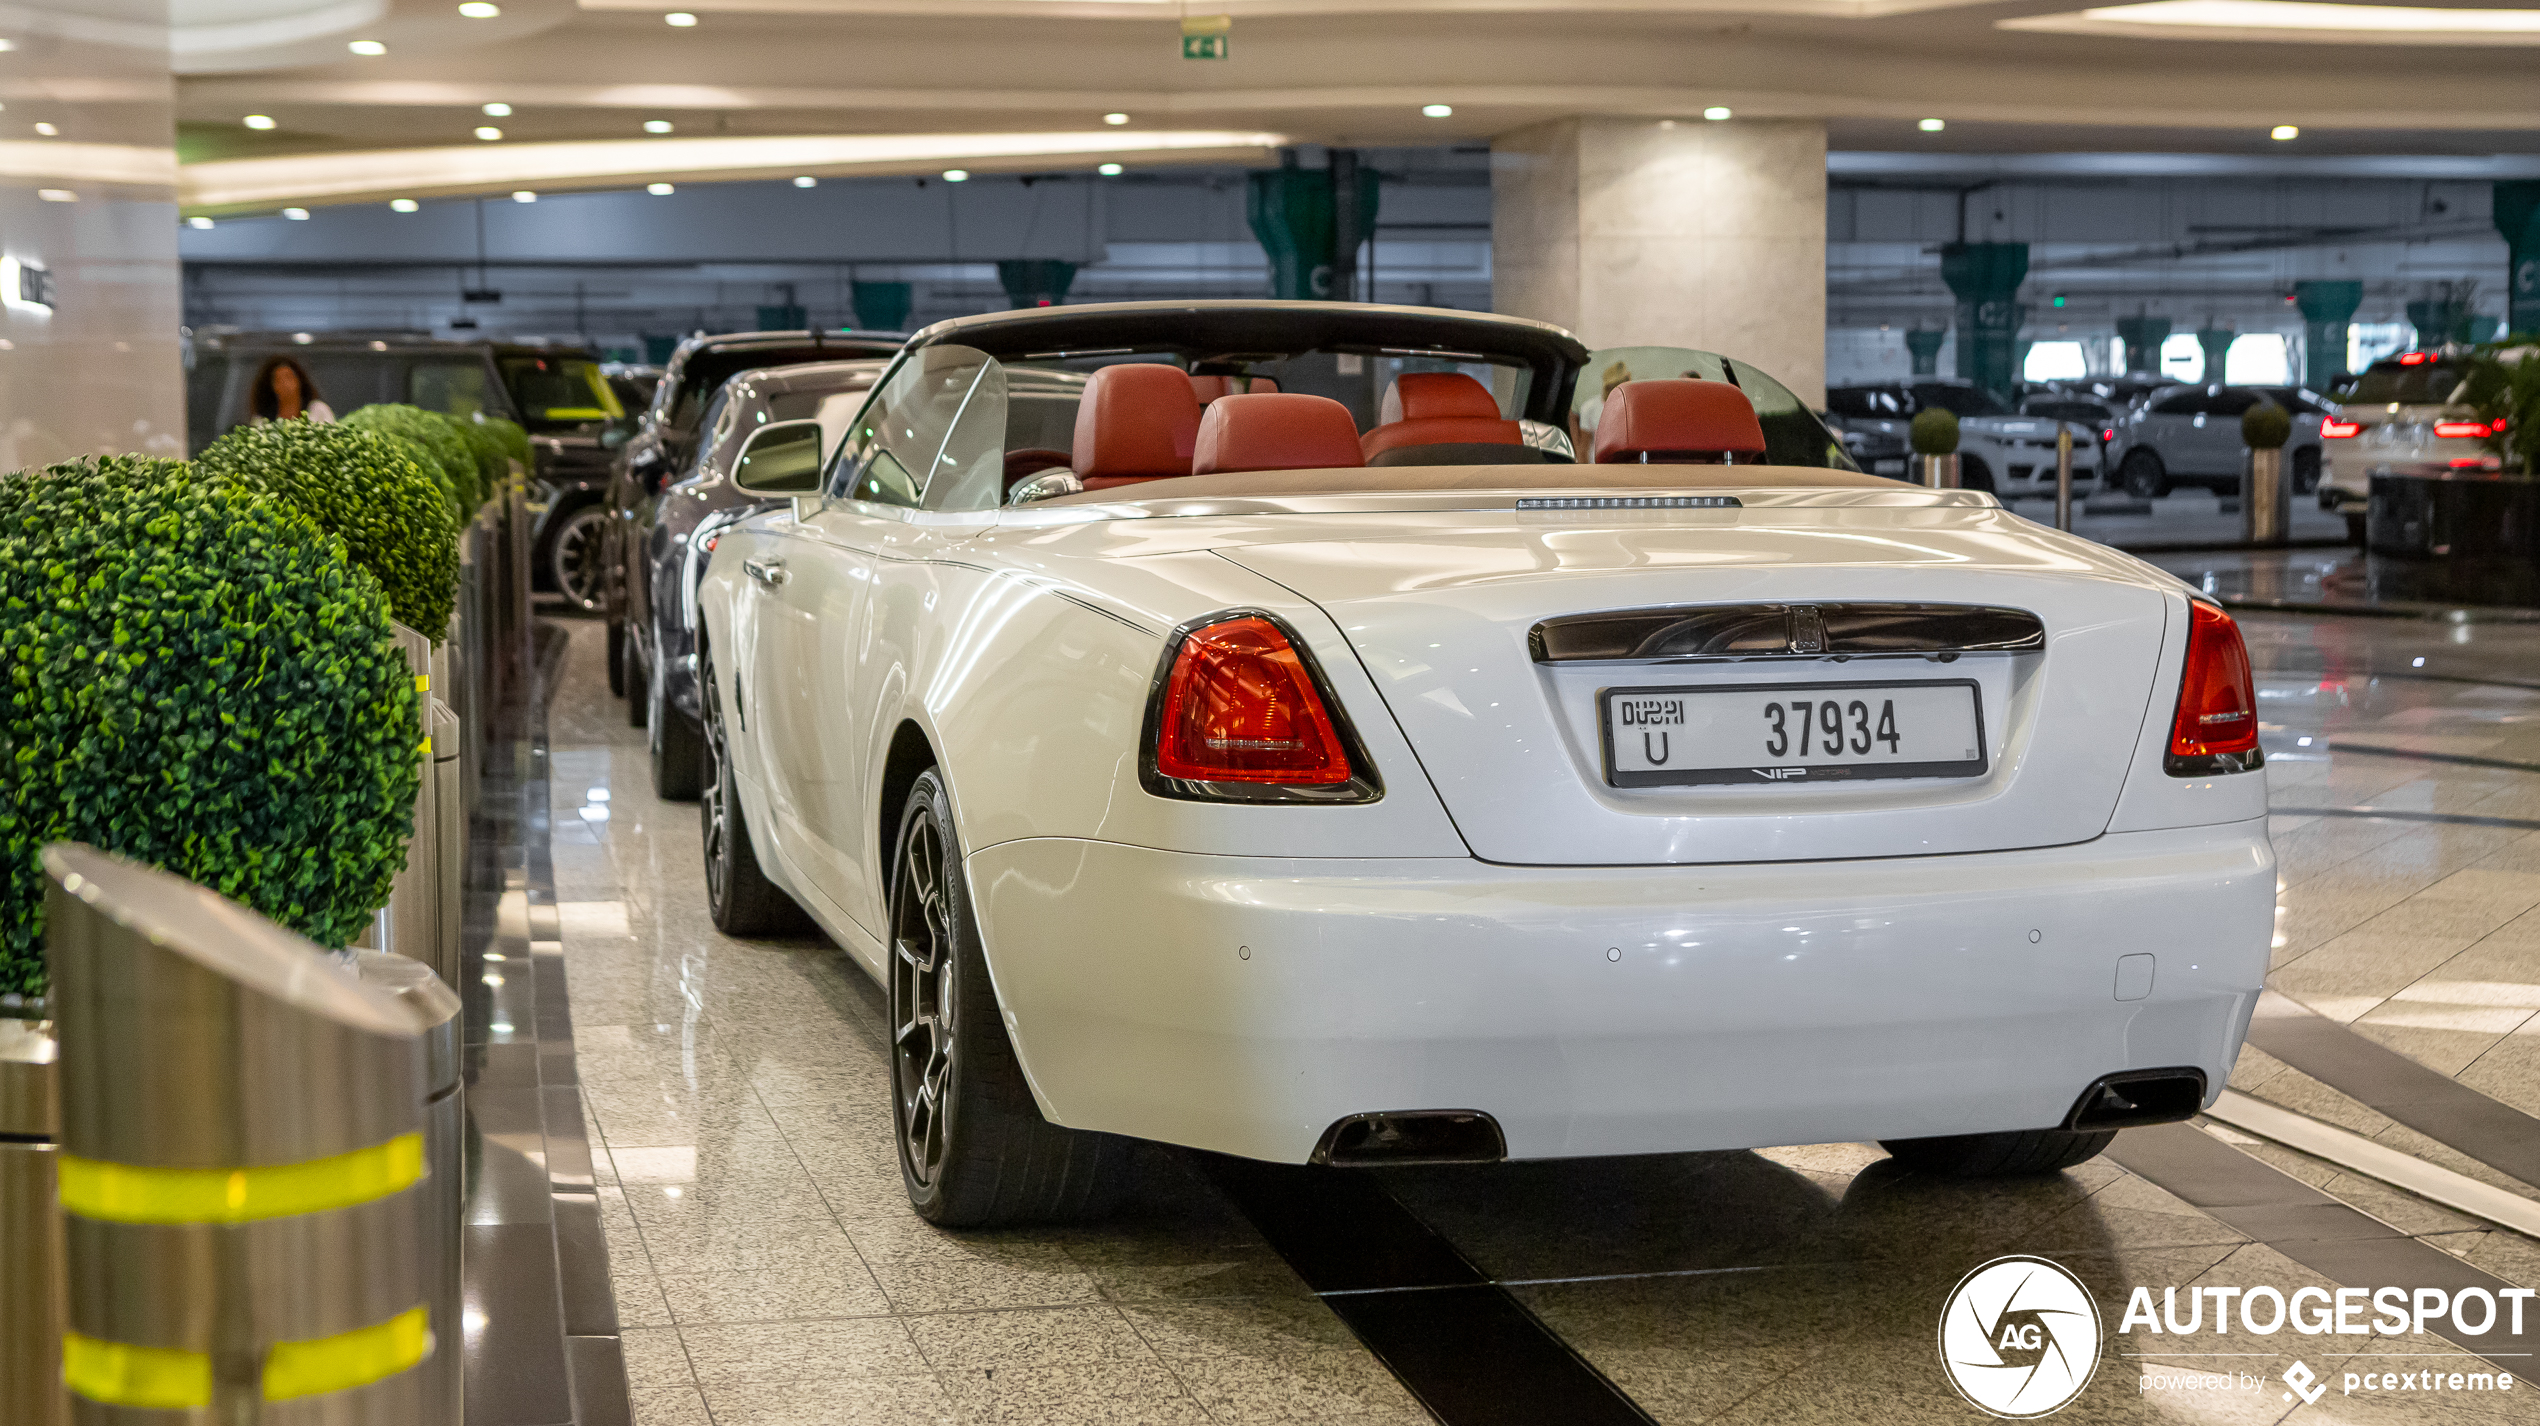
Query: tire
x=1974 y=474
x=2013 y=1155
x=739 y=896
x=2306 y=471
x=638 y=678
x=577 y=560
x=974 y=1150
x=617 y=659
x=2144 y=476
x=678 y=749
x=2356 y=534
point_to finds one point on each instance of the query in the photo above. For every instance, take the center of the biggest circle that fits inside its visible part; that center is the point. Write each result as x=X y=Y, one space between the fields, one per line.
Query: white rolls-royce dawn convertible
x=1287 y=729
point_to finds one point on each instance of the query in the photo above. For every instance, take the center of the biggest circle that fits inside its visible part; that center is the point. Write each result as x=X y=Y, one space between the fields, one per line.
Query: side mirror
x=780 y=459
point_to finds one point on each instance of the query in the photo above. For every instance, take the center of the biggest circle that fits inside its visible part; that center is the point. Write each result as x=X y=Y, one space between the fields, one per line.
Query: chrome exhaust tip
x=2133 y=1098
x=1412 y=1136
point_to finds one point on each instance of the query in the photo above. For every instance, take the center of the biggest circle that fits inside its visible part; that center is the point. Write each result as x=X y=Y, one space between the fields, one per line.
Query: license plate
x=1785 y=732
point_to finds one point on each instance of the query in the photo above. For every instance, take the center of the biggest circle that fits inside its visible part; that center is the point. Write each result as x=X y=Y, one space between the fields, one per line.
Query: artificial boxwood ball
x=366 y=489
x=515 y=440
x=448 y=451
x=492 y=459
x=1934 y=431
x=193 y=675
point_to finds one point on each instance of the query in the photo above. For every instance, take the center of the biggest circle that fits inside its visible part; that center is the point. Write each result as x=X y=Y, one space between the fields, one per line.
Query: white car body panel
x=1238 y=976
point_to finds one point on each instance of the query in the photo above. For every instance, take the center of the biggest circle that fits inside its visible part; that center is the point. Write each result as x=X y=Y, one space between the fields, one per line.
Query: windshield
x=560 y=391
x=2088 y=413
x=2404 y=383
x=1959 y=400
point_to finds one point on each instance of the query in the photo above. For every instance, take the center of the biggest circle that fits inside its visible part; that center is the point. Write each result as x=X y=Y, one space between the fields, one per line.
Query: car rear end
x=2402 y=416
x=1793 y=816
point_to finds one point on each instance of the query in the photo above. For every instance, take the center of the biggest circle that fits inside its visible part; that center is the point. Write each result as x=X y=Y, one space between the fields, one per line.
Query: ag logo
x=2019 y=1337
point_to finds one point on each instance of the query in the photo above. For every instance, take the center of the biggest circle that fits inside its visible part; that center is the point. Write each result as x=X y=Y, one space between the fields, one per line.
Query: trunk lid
x=1444 y=611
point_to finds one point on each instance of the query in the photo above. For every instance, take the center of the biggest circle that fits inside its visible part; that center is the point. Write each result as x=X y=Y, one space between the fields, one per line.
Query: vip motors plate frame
x=1846 y=772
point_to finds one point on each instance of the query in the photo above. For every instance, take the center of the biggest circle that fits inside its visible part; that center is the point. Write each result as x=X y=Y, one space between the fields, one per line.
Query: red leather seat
x=1283 y=431
x=1209 y=388
x=1137 y=421
x=1677 y=421
x=1432 y=408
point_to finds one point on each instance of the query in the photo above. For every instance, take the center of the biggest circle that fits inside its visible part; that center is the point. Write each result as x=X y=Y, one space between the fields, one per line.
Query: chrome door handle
x=765 y=569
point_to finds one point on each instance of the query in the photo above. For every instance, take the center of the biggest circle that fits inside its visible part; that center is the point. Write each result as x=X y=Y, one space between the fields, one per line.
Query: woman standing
x=284 y=391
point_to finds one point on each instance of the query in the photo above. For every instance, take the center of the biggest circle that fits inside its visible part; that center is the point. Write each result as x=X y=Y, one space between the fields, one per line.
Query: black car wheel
x=678 y=747
x=974 y=1149
x=2144 y=476
x=638 y=679
x=617 y=659
x=739 y=896
x=574 y=558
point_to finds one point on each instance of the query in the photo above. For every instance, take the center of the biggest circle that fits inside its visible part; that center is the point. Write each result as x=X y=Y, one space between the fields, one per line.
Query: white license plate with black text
x=1816 y=732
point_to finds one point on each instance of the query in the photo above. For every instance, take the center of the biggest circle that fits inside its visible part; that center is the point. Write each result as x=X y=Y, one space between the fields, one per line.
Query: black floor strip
x=1471 y=1352
x=2330 y=1238
x=2459 y=759
x=2387 y=814
x=2428 y=1101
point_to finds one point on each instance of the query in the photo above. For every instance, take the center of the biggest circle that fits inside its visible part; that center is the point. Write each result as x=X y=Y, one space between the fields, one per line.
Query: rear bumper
x=1246 y=1004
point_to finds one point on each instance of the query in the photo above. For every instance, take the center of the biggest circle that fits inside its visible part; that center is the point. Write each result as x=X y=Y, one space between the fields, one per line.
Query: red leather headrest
x=1436 y=395
x=1209 y=388
x=1137 y=421
x=1275 y=432
x=1678 y=416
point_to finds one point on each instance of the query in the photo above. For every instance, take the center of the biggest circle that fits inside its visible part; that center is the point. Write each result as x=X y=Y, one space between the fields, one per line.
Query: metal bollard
x=32 y=1307
x=436 y=1010
x=2064 y=478
x=450 y=845
x=1939 y=472
x=242 y=1169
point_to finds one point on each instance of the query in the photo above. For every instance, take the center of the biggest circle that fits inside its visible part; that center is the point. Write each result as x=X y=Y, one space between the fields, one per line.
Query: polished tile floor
x=768 y=1270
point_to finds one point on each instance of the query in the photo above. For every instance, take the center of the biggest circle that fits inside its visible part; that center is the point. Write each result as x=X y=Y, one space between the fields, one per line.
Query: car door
x=2168 y=427
x=2225 y=450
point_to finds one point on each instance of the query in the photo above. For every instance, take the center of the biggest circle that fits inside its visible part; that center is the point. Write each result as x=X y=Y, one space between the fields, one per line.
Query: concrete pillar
x=2518 y=218
x=881 y=306
x=2437 y=320
x=2327 y=308
x=1986 y=278
x=1924 y=343
x=2143 y=335
x=1679 y=232
x=90 y=308
x=2217 y=344
x=1036 y=281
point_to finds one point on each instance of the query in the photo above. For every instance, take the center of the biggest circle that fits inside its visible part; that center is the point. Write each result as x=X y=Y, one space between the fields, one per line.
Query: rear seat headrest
x=1678 y=418
x=1136 y=421
x=1209 y=388
x=1284 y=431
x=1436 y=395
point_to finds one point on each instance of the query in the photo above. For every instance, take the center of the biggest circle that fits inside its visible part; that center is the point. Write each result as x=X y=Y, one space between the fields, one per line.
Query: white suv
x=2402 y=416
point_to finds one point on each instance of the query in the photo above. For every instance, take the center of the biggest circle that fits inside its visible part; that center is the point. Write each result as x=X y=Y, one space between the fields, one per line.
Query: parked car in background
x=2190 y=435
x=633 y=383
x=2401 y=415
x=662 y=443
x=555 y=393
x=1871 y=421
x=1999 y=449
x=2097 y=414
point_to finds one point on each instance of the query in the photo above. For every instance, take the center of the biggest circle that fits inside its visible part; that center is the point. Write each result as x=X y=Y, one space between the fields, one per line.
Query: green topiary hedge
x=1934 y=431
x=515 y=440
x=492 y=461
x=367 y=490
x=440 y=440
x=2266 y=427
x=193 y=675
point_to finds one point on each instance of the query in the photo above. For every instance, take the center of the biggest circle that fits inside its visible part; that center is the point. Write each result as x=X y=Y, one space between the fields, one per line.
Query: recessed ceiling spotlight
x=679 y=19
x=488 y=132
x=523 y=195
x=1716 y=113
x=47 y=130
x=1437 y=111
x=806 y=181
x=656 y=126
x=956 y=175
x=479 y=10
x=198 y=221
x=2282 y=132
x=1115 y=118
x=498 y=110
x=1108 y=170
x=1932 y=126
x=660 y=190
x=402 y=205
x=253 y=121
x=56 y=195
x=370 y=49
x=296 y=215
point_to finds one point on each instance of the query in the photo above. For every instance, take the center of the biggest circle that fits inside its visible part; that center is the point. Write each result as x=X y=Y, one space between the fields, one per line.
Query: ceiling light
x=956 y=175
x=198 y=221
x=368 y=48
x=806 y=181
x=1932 y=126
x=47 y=130
x=498 y=110
x=253 y=121
x=402 y=205
x=2299 y=19
x=1437 y=111
x=1716 y=113
x=479 y=10
x=660 y=190
x=296 y=215
x=679 y=19
x=1109 y=170
x=488 y=132
x=1115 y=118
x=523 y=195
x=2282 y=132
x=57 y=195
x=656 y=126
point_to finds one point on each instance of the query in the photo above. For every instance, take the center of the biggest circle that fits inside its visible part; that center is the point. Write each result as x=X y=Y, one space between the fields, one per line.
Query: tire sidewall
x=927 y=799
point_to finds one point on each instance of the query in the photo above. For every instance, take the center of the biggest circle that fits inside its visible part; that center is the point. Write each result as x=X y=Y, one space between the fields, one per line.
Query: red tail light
x=2332 y=429
x=2217 y=700
x=1240 y=706
x=2415 y=358
x=2463 y=430
x=2109 y=434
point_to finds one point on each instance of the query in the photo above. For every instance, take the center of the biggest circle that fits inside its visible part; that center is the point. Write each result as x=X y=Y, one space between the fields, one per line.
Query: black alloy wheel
x=576 y=559
x=739 y=896
x=2144 y=476
x=973 y=1147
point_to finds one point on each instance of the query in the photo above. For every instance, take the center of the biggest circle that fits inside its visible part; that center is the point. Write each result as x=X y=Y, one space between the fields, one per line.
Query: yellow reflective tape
x=117 y=1374
x=126 y=1193
x=427 y=747
x=423 y=683
x=348 y=1359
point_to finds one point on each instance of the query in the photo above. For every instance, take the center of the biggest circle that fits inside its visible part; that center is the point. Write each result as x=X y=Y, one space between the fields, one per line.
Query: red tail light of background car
x=2467 y=430
x=2217 y=699
x=1240 y=706
x=2332 y=429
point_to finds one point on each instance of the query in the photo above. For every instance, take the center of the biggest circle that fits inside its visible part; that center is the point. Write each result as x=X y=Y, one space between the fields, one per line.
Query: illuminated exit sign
x=1205 y=36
